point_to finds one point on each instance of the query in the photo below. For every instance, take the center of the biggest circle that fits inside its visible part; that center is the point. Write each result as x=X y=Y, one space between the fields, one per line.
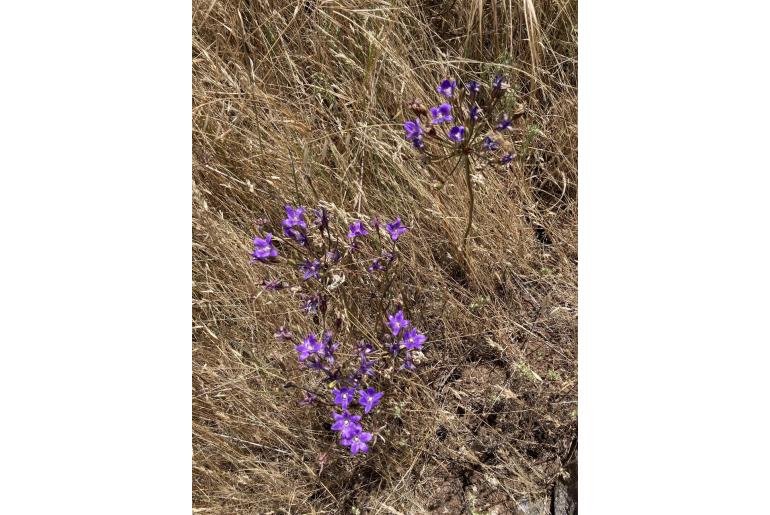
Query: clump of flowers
x=468 y=123
x=348 y=372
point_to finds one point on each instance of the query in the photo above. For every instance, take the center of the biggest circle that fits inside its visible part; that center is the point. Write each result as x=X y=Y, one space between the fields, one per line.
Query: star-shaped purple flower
x=376 y=265
x=457 y=133
x=309 y=345
x=489 y=144
x=369 y=398
x=413 y=339
x=497 y=83
x=295 y=217
x=413 y=129
x=396 y=322
x=504 y=123
x=395 y=228
x=357 y=229
x=310 y=269
x=357 y=441
x=475 y=113
x=441 y=114
x=263 y=248
x=343 y=396
x=447 y=87
x=346 y=424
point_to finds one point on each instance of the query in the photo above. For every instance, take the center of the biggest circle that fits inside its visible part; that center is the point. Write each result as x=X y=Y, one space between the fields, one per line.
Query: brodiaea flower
x=489 y=144
x=346 y=424
x=376 y=265
x=475 y=113
x=507 y=158
x=310 y=269
x=357 y=441
x=343 y=396
x=322 y=219
x=295 y=234
x=396 y=322
x=457 y=133
x=497 y=84
x=418 y=143
x=447 y=87
x=413 y=129
x=473 y=86
x=309 y=345
x=263 y=248
x=357 y=229
x=441 y=114
x=369 y=398
x=395 y=228
x=504 y=123
x=413 y=339
x=295 y=217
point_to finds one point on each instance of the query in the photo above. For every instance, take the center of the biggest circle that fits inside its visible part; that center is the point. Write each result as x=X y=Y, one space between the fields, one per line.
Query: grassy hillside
x=302 y=102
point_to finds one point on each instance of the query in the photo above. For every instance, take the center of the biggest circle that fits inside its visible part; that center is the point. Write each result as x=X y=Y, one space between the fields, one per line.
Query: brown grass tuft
x=304 y=100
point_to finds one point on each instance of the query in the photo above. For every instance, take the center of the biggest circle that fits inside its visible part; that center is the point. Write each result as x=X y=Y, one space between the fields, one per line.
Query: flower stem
x=469 y=183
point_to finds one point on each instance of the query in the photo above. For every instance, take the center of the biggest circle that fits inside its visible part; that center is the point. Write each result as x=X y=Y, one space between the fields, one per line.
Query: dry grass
x=321 y=87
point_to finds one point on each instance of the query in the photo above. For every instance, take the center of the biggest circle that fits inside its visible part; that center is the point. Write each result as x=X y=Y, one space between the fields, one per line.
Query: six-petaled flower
x=346 y=423
x=263 y=248
x=357 y=441
x=441 y=114
x=475 y=113
x=413 y=339
x=309 y=345
x=447 y=87
x=295 y=217
x=357 y=229
x=343 y=396
x=457 y=133
x=395 y=228
x=413 y=129
x=396 y=322
x=310 y=269
x=369 y=398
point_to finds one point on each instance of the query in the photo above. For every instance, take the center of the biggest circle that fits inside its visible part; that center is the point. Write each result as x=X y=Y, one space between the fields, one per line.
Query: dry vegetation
x=321 y=87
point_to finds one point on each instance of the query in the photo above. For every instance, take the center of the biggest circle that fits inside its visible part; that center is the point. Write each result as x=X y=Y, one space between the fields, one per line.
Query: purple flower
x=272 y=285
x=497 y=83
x=357 y=441
x=507 y=158
x=413 y=130
x=441 y=114
x=475 y=113
x=283 y=334
x=395 y=228
x=343 y=396
x=334 y=256
x=369 y=398
x=473 y=86
x=447 y=87
x=504 y=123
x=295 y=234
x=309 y=399
x=346 y=424
x=376 y=265
x=489 y=144
x=263 y=248
x=310 y=269
x=396 y=322
x=314 y=304
x=457 y=133
x=413 y=339
x=309 y=345
x=367 y=366
x=357 y=229
x=408 y=363
x=322 y=218
x=295 y=217
x=418 y=143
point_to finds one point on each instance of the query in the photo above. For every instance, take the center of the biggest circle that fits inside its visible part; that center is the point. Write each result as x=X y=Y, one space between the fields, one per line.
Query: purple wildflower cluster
x=465 y=122
x=350 y=380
